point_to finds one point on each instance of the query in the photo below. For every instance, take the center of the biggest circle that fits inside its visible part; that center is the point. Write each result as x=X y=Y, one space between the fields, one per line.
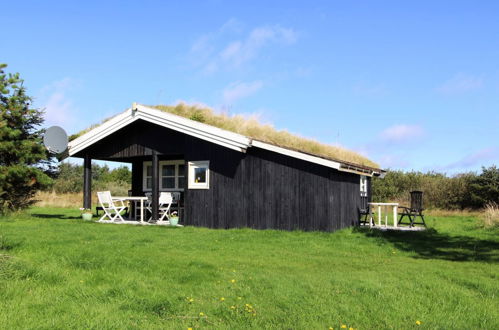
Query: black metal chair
x=416 y=210
x=364 y=211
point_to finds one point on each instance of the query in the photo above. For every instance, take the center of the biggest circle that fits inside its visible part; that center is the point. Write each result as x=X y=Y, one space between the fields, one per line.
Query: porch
x=151 y=177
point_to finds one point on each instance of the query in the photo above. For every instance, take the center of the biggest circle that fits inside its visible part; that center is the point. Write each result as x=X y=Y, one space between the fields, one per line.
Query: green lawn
x=59 y=272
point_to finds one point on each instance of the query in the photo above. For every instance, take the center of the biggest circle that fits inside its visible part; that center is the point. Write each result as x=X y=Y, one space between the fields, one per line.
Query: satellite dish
x=55 y=140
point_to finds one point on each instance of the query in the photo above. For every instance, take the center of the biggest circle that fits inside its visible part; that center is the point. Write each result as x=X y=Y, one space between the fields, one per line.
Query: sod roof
x=252 y=128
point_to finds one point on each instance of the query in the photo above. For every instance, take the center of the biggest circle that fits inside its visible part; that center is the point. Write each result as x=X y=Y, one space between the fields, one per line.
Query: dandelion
x=190 y=300
x=222 y=299
x=201 y=314
x=232 y=307
x=189 y=328
x=331 y=328
x=343 y=326
x=350 y=328
x=418 y=322
x=232 y=281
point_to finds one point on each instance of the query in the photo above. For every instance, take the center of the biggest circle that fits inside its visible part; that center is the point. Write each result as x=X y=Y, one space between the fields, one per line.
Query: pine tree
x=23 y=159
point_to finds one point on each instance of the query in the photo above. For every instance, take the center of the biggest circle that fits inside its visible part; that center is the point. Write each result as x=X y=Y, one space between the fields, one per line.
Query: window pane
x=168 y=170
x=148 y=183
x=181 y=170
x=168 y=182
x=181 y=182
x=200 y=175
x=148 y=170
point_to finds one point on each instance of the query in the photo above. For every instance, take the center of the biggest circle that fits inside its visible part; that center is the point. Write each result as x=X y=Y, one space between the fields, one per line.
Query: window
x=171 y=175
x=148 y=176
x=363 y=185
x=199 y=175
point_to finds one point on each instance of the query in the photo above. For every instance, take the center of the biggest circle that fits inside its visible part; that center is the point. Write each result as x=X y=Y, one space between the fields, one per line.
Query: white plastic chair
x=111 y=210
x=164 y=203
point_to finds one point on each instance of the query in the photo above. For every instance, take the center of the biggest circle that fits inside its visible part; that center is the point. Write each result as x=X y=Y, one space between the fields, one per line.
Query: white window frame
x=363 y=185
x=198 y=164
x=176 y=162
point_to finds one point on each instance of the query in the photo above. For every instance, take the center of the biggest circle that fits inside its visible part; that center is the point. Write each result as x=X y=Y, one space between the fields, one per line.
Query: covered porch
x=152 y=176
x=168 y=154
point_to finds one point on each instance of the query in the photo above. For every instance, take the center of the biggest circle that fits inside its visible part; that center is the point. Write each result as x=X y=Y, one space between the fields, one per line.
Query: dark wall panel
x=258 y=189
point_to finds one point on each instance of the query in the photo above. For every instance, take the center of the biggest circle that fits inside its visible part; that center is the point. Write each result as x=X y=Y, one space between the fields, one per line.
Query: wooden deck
x=145 y=223
x=392 y=228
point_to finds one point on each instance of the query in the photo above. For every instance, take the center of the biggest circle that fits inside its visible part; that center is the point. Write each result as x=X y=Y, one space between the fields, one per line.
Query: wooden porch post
x=87 y=182
x=155 y=185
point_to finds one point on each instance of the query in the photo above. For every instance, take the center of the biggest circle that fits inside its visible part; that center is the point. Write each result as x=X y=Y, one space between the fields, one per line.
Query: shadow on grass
x=54 y=216
x=430 y=244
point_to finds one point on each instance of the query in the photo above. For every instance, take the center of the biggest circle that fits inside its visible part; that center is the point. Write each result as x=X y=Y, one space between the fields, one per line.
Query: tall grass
x=490 y=216
x=53 y=199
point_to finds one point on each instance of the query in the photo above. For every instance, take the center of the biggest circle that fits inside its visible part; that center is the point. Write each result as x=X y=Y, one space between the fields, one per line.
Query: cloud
x=460 y=83
x=53 y=99
x=394 y=162
x=365 y=89
x=232 y=25
x=401 y=133
x=239 y=90
x=215 y=50
x=477 y=158
x=239 y=52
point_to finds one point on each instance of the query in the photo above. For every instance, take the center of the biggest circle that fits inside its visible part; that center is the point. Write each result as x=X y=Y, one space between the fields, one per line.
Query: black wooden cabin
x=226 y=180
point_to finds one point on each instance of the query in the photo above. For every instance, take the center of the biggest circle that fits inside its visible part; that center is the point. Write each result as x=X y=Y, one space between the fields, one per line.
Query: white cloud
x=477 y=158
x=215 y=50
x=394 y=162
x=460 y=83
x=366 y=89
x=401 y=133
x=232 y=25
x=239 y=90
x=58 y=107
x=239 y=52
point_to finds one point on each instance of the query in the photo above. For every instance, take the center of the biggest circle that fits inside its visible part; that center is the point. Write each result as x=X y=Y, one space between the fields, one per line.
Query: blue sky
x=411 y=85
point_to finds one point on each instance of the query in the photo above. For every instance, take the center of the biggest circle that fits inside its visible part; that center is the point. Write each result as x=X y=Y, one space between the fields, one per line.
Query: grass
x=59 y=272
x=252 y=128
x=490 y=217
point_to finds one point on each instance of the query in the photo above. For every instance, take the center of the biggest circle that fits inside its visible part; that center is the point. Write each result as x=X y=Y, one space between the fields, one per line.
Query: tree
x=24 y=162
x=484 y=188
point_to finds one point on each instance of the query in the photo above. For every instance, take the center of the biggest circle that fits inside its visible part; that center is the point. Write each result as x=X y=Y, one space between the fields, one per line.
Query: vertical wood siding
x=258 y=189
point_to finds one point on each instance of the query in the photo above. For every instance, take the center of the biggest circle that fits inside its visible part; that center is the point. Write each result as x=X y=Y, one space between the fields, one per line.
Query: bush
x=466 y=190
x=70 y=179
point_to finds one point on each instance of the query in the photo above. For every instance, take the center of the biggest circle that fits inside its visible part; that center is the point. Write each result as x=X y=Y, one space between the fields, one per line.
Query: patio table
x=134 y=199
x=394 y=207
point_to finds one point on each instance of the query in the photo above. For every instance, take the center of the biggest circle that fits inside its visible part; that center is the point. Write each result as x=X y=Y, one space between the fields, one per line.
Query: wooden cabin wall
x=263 y=189
x=258 y=189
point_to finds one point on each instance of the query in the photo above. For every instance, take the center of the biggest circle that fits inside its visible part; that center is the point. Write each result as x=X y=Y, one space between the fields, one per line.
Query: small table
x=385 y=205
x=135 y=199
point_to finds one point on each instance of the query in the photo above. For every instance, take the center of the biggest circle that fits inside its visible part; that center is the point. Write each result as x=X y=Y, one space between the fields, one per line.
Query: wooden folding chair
x=364 y=211
x=164 y=203
x=111 y=210
x=416 y=210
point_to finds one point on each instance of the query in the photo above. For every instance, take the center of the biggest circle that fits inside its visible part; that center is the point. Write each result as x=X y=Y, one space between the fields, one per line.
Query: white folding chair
x=111 y=210
x=164 y=203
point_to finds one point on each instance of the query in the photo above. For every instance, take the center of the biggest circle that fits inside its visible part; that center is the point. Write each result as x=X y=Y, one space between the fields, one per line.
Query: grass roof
x=252 y=128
